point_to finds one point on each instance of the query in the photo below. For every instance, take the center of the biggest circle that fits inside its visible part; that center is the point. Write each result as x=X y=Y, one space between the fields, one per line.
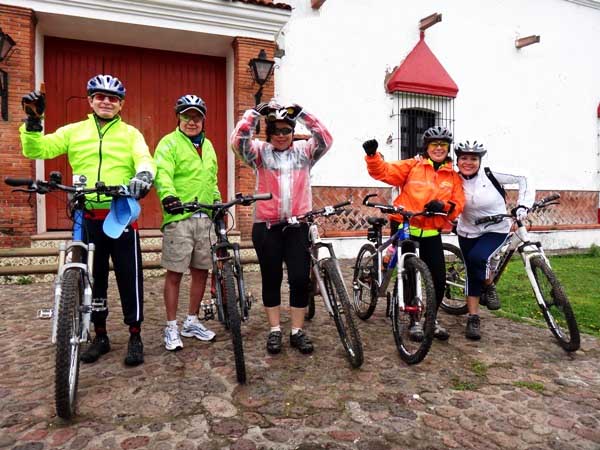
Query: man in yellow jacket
x=102 y=148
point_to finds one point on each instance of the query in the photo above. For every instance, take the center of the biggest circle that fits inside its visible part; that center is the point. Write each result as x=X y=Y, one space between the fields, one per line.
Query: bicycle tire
x=556 y=309
x=342 y=312
x=233 y=321
x=364 y=285
x=69 y=322
x=312 y=291
x=411 y=351
x=454 y=301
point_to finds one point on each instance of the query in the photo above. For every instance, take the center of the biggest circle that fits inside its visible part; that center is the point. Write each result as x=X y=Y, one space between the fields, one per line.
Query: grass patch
x=531 y=385
x=479 y=368
x=594 y=251
x=579 y=275
x=462 y=385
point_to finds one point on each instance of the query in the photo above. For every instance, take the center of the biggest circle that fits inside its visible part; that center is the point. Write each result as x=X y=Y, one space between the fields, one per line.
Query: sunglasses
x=110 y=98
x=439 y=144
x=186 y=118
x=282 y=131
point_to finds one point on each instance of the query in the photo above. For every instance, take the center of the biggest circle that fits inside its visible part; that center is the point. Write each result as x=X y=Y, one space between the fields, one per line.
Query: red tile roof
x=268 y=3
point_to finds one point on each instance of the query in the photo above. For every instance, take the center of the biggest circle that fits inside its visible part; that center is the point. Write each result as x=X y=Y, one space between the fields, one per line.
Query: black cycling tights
x=274 y=246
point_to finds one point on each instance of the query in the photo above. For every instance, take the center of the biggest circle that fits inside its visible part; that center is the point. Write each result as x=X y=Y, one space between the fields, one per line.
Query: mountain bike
x=231 y=300
x=328 y=282
x=73 y=303
x=412 y=297
x=549 y=292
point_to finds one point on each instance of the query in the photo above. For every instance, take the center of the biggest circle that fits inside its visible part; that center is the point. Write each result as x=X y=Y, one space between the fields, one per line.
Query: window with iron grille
x=414 y=114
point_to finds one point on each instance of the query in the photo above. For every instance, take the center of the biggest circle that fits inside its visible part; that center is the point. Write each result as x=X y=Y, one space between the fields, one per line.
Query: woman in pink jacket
x=282 y=167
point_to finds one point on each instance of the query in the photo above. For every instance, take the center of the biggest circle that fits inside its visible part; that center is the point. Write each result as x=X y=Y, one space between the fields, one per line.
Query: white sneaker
x=172 y=339
x=197 y=330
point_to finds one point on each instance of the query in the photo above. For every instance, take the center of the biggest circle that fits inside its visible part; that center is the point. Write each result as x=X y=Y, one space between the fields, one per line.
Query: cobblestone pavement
x=514 y=389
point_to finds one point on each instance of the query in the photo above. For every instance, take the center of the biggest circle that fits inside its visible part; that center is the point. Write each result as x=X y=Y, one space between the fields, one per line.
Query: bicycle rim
x=233 y=319
x=419 y=309
x=556 y=307
x=69 y=322
x=342 y=313
x=364 y=284
x=454 y=296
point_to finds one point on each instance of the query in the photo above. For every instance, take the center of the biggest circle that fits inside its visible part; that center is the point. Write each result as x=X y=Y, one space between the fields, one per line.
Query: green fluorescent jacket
x=181 y=172
x=112 y=154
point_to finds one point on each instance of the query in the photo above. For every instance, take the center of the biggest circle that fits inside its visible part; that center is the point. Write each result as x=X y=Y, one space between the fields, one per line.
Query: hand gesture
x=370 y=146
x=34 y=104
x=140 y=185
x=434 y=206
x=263 y=109
x=293 y=110
x=520 y=212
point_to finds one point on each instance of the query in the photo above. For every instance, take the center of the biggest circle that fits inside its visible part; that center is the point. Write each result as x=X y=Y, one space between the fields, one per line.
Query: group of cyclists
x=184 y=168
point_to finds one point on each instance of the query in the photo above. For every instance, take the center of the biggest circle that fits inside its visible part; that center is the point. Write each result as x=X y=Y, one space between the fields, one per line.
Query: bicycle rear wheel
x=310 y=309
x=364 y=282
x=556 y=307
x=419 y=309
x=68 y=331
x=342 y=312
x=233 y=320
x=456 y=274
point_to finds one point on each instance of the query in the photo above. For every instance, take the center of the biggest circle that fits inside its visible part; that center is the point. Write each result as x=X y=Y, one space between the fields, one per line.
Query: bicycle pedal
x=45 y=313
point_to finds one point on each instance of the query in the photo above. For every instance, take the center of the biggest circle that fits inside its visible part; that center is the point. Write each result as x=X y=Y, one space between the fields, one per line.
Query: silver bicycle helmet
x=281 y=114
x=106 y=84
x=188 y=102
x=437 y=134
x=468 y=148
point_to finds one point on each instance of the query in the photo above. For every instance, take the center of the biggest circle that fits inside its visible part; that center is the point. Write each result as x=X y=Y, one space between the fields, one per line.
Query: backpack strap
x=495 y=182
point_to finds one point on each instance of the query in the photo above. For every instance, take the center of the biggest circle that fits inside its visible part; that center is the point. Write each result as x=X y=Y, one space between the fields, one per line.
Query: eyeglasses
x=110 y=98
x=195 y=119
x=282 y=131
x=442 y=144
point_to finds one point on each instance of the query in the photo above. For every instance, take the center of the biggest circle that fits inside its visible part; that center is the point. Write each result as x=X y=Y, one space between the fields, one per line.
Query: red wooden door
x=154 y=80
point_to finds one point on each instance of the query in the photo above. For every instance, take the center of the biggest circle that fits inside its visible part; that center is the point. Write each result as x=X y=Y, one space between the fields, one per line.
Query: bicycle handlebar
x=540 y=204
x=43 y=187
x=391 y=209
x=329 y=210
x=239 y=199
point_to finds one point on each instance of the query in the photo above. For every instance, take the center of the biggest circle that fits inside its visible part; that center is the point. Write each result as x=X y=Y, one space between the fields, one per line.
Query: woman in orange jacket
x=427 y=182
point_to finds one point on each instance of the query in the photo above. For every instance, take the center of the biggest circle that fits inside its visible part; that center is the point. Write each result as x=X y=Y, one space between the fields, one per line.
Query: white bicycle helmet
x=437 y=134
x=106 y=84
x=468 y=148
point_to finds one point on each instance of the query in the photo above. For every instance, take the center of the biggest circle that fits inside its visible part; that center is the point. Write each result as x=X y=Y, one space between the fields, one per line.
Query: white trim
x=39 y=164
x=231 y=175
x=595 y=4
x=208 y=16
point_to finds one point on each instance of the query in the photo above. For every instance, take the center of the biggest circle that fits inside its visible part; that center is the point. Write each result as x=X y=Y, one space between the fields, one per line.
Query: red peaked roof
x=422 y=73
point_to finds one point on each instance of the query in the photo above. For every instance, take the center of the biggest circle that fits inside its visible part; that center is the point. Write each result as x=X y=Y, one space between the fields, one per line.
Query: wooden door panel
x=154 y=81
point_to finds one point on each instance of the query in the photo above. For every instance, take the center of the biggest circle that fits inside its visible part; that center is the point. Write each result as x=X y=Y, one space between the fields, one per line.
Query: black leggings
x=274 y=246
x=431 y=252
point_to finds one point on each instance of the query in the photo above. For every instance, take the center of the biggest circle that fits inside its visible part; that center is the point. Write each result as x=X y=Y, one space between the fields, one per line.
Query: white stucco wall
x=534 y=108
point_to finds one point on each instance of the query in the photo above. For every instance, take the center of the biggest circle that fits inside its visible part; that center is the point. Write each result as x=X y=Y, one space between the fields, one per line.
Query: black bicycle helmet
x=281 y=114
x=437 y=134
x=467 y=148
x=106 y=84
x=190 y=101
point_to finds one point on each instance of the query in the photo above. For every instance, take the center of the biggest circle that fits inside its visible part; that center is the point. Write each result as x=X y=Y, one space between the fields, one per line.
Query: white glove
x=140 y=185
x=521 y=212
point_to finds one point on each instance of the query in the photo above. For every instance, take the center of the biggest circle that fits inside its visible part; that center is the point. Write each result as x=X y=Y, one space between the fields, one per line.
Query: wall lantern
x=261 y=68
x=6 y=45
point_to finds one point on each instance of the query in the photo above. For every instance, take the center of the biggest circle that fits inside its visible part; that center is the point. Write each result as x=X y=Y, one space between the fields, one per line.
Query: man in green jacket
x=103 y=148
x=186 y=169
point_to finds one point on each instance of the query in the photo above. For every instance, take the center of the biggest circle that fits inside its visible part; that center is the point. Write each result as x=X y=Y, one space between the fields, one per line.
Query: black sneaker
x=472 y=331
x=99 y=346
x=492 y=300
x=440 y=332
x=302 y=342
x=274 y=342
x=135 y=350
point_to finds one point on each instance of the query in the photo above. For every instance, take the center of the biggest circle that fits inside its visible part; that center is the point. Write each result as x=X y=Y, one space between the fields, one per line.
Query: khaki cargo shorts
x=186 y=244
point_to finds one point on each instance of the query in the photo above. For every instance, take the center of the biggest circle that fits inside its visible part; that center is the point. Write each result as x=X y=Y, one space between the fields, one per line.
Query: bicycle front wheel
x=68 y=332
x=364 y=282
x=456 y=274
x=555 y=306
x=413 y=324
x=342 y=312
x=233 y=320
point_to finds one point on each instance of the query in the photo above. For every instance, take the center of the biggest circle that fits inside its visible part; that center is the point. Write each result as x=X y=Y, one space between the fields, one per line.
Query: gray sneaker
x=416 y=332
x=472 y=331
x=197 y=330
x=491 y=296
x=172 y=339
x=440 y=332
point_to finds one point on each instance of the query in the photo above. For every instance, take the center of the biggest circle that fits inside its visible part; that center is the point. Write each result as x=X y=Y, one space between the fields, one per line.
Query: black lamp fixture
x=261 y=69
x=6 y=45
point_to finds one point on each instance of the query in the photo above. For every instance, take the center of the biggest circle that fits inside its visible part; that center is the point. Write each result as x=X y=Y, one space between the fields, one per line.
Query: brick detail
x=244 y=89
x=18 y=220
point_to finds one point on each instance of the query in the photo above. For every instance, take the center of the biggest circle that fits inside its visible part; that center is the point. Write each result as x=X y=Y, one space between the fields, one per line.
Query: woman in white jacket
x=484 y=196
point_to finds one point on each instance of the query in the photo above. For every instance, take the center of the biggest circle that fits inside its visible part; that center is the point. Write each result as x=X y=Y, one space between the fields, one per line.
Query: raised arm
x=241 y=140
x=526 y=186
x=39 y=146
x=393 y=173
x=320 y=141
